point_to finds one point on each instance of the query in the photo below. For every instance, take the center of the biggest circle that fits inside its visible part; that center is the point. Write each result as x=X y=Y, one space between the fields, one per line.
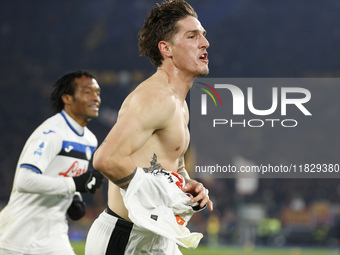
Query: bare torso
x=163 y=150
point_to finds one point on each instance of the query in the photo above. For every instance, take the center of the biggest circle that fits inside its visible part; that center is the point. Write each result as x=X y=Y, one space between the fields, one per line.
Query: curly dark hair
x=161 y=24
x=65 y=85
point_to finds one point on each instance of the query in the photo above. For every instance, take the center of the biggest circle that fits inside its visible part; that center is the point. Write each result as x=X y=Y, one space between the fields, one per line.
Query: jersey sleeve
x=40 y=149
x=29 y=182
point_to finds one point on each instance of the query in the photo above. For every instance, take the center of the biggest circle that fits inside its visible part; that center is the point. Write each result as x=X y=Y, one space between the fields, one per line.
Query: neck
x=179 y=83
x=82 y=122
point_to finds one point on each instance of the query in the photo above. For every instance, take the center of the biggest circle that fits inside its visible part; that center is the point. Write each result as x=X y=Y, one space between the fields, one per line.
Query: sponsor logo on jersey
x=74 y=170
x=69 y=148
x=48 y=132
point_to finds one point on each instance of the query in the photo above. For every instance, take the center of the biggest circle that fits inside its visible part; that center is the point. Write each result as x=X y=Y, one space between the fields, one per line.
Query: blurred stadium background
x=41 y=40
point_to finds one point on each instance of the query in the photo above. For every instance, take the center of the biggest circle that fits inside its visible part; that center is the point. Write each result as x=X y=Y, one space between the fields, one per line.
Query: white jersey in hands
x=156 y=203
x=34 y=219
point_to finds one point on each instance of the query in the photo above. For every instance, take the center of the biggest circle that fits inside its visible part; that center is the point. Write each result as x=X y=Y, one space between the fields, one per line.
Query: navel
x=178 y=148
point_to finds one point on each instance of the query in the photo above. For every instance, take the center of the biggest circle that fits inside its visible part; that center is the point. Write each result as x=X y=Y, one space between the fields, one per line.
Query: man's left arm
x=200 y=193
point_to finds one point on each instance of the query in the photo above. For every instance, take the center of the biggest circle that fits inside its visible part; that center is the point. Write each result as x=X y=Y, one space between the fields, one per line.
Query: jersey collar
x=76 y=128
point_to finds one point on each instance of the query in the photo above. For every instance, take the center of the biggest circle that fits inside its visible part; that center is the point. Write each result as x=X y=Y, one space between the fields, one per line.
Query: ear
x=165 y=48
x=67 y=99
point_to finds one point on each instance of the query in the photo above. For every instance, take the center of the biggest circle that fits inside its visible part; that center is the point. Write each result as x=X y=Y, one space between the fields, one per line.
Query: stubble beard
x=203 y=72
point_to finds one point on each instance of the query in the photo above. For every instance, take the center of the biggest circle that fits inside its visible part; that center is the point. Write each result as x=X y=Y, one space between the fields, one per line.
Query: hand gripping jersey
x=157 y=204
x=36 y=222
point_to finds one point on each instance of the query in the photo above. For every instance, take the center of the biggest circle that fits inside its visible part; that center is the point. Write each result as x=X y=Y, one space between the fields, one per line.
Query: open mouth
x=94 y=107
x=204 y=56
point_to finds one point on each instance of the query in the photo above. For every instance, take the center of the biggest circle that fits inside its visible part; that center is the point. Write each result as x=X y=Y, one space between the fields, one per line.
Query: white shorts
x=110 y=234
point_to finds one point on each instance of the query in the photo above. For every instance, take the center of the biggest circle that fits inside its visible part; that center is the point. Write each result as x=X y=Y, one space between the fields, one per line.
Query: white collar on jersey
x=78 y=129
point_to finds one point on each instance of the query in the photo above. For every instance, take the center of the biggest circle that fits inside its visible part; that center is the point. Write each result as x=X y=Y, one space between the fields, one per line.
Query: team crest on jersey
x=88 y=153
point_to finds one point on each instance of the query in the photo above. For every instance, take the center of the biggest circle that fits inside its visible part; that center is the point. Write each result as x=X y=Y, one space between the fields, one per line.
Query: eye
x=87 y=92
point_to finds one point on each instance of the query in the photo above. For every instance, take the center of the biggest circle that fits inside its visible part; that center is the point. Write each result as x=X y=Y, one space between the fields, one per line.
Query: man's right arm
x=146 y=113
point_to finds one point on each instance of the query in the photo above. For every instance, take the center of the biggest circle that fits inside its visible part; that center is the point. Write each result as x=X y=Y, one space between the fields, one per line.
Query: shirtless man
x=152 y=127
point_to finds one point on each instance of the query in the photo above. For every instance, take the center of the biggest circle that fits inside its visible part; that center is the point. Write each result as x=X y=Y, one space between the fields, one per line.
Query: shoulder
x=154 y=103
x=52 y=125
x=47 y=134
x=53 y=121
x=152 y=96
x=54 y=128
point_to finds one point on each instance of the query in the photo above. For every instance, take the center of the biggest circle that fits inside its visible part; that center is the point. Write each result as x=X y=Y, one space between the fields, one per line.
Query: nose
x=204 y=42
x=96 y=97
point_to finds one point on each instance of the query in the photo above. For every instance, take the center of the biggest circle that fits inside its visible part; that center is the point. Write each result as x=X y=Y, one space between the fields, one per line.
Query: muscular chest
x=176 y=135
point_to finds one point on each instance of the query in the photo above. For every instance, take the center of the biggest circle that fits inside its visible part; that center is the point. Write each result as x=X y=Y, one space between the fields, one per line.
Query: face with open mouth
x=190 y=48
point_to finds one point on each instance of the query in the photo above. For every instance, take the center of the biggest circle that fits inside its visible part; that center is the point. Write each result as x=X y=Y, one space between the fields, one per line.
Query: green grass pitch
x=79 y=248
